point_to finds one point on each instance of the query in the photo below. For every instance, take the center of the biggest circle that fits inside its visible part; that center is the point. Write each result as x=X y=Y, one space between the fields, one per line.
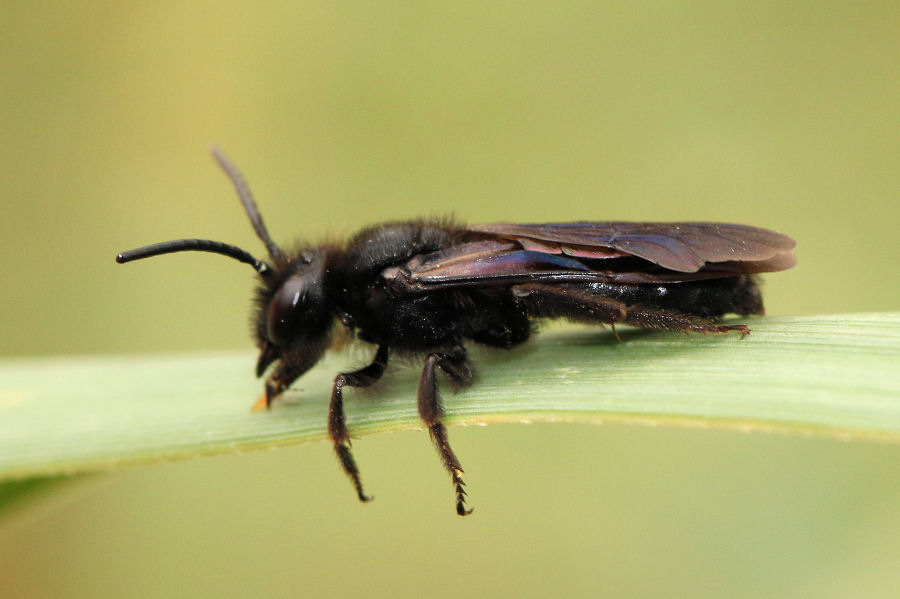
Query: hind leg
x=583 y=306
x=654 y=318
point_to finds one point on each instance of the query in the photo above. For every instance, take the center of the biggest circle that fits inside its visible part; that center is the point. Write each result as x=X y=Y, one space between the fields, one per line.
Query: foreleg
x=337 y=428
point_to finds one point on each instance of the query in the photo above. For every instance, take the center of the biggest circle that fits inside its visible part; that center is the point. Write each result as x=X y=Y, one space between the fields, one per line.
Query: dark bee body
x=426 y=288
x=407 y=323
x=492 y=315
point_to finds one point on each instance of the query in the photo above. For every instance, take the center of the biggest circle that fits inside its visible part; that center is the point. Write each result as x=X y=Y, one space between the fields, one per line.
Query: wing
x=683 y=247
x=620 y=252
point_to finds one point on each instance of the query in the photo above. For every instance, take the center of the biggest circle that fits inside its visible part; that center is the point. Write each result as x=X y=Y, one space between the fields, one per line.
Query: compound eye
x=283 y=311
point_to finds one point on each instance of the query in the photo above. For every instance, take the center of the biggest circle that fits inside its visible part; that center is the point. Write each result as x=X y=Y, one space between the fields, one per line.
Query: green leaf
x=823 y=375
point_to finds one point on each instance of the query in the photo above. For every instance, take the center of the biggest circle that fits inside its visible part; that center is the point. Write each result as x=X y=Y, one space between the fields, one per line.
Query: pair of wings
x=610 y=252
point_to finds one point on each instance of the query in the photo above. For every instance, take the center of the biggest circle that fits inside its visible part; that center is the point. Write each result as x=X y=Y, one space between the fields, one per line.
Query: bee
x=428 y=287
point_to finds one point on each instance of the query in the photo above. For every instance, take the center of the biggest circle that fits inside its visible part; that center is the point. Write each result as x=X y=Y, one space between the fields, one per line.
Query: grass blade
x=825 y=375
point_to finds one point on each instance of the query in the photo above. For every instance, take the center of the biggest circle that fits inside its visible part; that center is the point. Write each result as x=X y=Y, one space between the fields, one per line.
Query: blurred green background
x=343 y=114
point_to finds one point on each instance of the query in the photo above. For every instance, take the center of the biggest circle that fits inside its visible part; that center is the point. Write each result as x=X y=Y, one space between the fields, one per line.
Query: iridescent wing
x=683 y=247
x=618 y=252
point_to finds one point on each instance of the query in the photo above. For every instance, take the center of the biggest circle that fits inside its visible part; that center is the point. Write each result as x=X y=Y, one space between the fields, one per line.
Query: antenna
x=217 y=247
x=243 y=191
x=201 y=245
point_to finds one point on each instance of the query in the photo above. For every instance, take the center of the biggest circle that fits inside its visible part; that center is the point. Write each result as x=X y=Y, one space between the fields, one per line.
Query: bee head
x=292 y=319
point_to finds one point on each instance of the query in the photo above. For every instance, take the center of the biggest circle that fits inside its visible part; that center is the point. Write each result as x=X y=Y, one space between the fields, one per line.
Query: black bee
x=425 y=287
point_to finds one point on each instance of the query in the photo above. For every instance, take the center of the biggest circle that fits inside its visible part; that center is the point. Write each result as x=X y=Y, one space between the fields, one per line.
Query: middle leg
x=457 y=368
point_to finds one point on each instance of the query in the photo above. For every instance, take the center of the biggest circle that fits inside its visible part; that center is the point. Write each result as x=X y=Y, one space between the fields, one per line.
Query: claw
x=615 y=332
x=743 y=329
